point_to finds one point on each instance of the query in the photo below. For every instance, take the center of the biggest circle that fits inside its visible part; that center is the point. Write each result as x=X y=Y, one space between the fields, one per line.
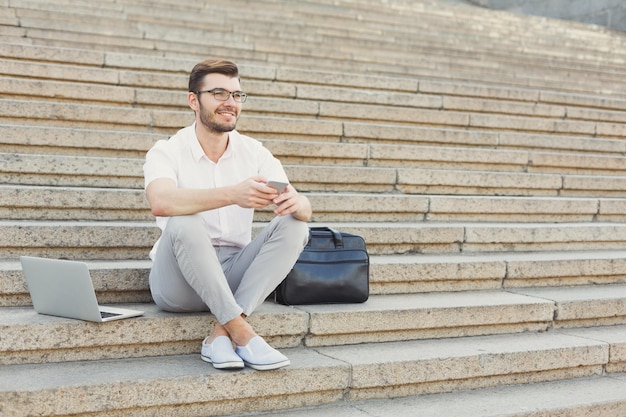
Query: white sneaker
x=221 y=354
x=257 y=354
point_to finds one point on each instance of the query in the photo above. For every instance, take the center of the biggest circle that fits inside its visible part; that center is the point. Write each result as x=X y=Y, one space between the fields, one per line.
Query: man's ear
x=192 y=100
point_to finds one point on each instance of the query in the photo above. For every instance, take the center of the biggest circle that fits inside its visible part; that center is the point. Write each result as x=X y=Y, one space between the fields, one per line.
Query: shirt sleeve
x=160 y=163
x=270 y=167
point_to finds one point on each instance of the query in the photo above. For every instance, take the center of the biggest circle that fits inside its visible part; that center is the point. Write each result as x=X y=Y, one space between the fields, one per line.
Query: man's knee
x=296 y=230
x=190 y=224
x=185 y=228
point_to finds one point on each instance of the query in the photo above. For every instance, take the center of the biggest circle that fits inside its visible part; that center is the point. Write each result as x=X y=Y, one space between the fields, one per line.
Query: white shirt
x=182 y=159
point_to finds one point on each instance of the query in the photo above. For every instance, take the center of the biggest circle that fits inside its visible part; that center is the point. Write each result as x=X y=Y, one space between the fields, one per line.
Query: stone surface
x=172 y=381
x=419 y=316
x=477 y=162
x=418 y=367
x=585 y=305
x=584 y=397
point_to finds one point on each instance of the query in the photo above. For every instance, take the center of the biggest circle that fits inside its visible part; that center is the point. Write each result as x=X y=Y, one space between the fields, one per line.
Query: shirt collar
x=198 y=153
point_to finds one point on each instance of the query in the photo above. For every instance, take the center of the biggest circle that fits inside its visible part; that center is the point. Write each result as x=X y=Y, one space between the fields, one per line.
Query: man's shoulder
x=182 y=135
x=177 y=140
x=172 y=148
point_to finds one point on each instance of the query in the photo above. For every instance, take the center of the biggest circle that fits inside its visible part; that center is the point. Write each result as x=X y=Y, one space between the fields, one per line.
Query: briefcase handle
x=337 y=238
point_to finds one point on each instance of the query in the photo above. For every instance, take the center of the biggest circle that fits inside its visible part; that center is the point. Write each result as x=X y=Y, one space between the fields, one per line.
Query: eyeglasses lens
x=223 y=95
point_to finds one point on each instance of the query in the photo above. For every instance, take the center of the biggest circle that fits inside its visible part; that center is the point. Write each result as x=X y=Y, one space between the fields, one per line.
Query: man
x=203 y=185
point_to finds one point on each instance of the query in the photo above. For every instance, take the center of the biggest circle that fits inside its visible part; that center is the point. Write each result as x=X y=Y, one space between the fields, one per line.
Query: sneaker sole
x=223 y=365
x=268 y=367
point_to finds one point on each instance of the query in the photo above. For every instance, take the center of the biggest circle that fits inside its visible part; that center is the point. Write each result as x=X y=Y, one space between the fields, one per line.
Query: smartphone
x=280 y=186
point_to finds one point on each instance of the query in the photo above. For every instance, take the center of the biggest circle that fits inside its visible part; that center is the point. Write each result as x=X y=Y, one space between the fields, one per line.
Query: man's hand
x=290 y=202
x=254 y=193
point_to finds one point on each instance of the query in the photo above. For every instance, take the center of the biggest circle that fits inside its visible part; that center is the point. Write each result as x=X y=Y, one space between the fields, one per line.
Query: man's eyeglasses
x=223 y=95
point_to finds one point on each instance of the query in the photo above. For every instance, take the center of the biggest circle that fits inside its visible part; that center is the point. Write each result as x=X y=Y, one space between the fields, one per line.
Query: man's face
x=218 y=116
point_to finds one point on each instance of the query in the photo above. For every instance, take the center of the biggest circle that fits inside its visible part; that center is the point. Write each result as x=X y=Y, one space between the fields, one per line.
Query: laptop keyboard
x=106 y=314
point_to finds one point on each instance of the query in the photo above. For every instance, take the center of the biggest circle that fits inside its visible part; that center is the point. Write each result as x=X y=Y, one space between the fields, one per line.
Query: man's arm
x=166 y=199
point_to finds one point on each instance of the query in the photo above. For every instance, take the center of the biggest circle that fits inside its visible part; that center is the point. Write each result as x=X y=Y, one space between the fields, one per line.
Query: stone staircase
x=480 y=154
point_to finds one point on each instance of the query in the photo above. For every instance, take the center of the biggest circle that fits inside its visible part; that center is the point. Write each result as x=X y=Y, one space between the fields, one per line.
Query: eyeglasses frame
x=213 y=91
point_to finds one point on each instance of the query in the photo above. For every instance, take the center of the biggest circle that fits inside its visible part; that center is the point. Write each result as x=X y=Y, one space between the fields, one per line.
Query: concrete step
x=395 y=274
x=133 y=240
x=602 y=157
x=108 y=116
x=388 y=238
x=598 y=396
x=73 y=203
x=119 y=281
x=139 y=96
x=47 y=140
x=403 y=317
x=424 y=273
x=446 y=135
x=369 y=146
x=312 y=100
x=122 y=281
x=328 y=16
x=184 y=385
x=441 y=70
x=501 y=68
x=78 y=240
x=24 y=202
x=570 y=312
x=426 y=181
x=81 y=171
x=150 y=73
x=505 y=160
x=323 y=16
x=33 y=338
x=41 y=27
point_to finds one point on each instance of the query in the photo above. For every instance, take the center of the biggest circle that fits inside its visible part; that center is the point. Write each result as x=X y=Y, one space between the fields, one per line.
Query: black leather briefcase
x=332 y=268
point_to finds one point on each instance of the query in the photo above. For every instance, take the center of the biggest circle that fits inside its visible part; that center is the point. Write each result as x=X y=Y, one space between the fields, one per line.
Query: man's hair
x=210 y=66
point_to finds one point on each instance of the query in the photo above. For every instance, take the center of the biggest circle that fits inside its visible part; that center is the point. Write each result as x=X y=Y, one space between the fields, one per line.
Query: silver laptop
x=64 y=288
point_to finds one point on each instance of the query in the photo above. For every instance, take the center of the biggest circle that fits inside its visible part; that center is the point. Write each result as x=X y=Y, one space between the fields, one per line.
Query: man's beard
x=208 y=121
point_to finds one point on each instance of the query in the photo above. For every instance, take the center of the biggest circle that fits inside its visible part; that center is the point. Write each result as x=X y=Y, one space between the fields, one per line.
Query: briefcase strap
x=337 y=238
